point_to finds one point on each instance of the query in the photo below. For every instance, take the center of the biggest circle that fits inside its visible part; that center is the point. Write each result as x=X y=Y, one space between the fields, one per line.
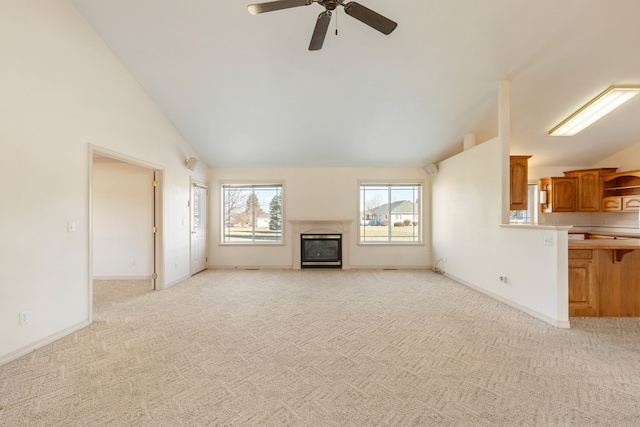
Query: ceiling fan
x=356 y=10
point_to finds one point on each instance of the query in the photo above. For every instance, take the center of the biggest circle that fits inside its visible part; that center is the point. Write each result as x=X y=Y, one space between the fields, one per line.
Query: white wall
x=466 y=214
x=122 y=208
x=625 y=160
x=62 y=89
x=316 y=194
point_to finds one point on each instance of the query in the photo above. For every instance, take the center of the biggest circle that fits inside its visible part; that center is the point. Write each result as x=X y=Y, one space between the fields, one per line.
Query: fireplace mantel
x=322 y=227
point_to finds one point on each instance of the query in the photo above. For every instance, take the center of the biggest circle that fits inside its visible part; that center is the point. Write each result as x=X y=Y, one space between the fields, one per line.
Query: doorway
x=198 y=206
x=125 y=207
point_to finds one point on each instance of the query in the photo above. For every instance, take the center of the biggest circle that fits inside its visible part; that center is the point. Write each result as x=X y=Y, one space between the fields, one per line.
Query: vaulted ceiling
x=245 y=91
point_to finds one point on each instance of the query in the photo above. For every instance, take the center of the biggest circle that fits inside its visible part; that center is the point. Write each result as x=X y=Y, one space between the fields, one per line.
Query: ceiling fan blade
x=320 y=31
x=369 y=17
x=276 y=5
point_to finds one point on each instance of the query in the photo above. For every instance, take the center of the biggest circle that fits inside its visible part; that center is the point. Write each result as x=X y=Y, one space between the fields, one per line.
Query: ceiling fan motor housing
x=329 y=4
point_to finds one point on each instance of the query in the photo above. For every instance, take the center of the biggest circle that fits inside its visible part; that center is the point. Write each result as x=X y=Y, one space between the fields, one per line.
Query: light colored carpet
x=324 y=348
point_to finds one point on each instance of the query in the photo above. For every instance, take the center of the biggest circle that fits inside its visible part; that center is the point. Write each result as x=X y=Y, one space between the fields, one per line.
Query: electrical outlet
x=23 y=317
x=503 y=279
x=548 y=240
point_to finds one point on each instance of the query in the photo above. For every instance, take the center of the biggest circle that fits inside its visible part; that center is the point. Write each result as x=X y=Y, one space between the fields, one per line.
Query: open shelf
x=621 y=191
x=621 y=188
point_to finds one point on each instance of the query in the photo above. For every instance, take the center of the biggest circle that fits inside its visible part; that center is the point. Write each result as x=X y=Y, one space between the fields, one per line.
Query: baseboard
x=250 y=267
x=6 y=358
x=289 y=267
x=390 y=267
x=121 y=277
x=563 y=324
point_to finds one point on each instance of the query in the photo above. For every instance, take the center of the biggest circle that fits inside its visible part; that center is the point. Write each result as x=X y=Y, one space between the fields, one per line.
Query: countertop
x=605 y=244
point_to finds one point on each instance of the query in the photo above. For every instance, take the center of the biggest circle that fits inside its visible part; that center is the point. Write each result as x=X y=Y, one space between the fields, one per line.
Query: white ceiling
x=245 y=92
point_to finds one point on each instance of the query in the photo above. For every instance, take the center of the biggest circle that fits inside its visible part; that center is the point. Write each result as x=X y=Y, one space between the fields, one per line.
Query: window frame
x=251 y=185
x=390 y=216
x=533 y=205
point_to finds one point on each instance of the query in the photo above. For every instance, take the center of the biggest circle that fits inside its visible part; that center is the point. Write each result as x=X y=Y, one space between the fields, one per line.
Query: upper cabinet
x=589 y=188
x=592 y=190
x=621 y=192
x=561 y=194
x=519 y=180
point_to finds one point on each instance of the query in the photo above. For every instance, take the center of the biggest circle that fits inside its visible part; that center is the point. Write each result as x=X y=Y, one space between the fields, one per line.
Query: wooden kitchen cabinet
x=519 y=181
x=603 y=276
x=561 y=194
x=618 y=282
x=589 y=188
x=631 y=203
x=621 y=192
x=612 y=204
x=583 y=292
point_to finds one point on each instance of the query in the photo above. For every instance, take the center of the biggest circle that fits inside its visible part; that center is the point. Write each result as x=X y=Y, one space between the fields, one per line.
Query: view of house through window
x=390 y=213
x=530 y=215
x=252 y=213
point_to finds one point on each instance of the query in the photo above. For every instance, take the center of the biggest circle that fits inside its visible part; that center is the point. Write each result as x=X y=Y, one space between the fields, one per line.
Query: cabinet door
x=589 y=185
x=564 y=194
x=519 y=176
x=631 y=203
x=589 y=194
x=583 y=298
x=612 y=204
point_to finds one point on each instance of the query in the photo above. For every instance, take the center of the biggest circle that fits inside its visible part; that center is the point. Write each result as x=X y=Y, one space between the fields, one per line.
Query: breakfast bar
x=604 y=277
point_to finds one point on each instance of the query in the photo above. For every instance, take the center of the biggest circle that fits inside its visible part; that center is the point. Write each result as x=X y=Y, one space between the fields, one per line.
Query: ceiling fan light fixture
x=598 y=107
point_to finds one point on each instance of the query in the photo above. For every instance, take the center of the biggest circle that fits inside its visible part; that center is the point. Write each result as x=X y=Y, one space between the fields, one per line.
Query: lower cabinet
x=583 y=292
x=604 y=282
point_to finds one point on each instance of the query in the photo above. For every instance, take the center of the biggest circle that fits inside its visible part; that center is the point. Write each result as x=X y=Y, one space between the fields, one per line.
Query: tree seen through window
x=252 y=213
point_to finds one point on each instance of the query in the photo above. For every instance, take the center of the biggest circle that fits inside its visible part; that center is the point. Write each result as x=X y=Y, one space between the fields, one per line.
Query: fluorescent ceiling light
x=595 y=109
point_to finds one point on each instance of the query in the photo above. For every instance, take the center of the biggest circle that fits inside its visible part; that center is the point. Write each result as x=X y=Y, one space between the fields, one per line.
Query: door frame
x=158 y=239
x=203 y=184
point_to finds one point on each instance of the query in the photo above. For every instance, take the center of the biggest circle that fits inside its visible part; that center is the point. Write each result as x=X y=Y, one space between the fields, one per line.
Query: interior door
x=198 y=205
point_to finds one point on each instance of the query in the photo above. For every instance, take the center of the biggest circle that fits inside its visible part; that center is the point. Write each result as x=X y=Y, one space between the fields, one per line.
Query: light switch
x=548 y=240
x=71 y=226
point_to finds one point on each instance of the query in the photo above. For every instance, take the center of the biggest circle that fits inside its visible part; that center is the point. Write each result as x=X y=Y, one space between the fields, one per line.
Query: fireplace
x=341 y=227
x=321 y=250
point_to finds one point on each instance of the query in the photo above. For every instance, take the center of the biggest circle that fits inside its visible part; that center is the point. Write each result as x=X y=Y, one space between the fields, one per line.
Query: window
x=390 y=213
x=252 y=213
x=530 y=215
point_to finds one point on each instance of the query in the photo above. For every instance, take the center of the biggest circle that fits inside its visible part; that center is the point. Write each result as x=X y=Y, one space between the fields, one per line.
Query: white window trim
x=420 y=182
x=240 y=183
